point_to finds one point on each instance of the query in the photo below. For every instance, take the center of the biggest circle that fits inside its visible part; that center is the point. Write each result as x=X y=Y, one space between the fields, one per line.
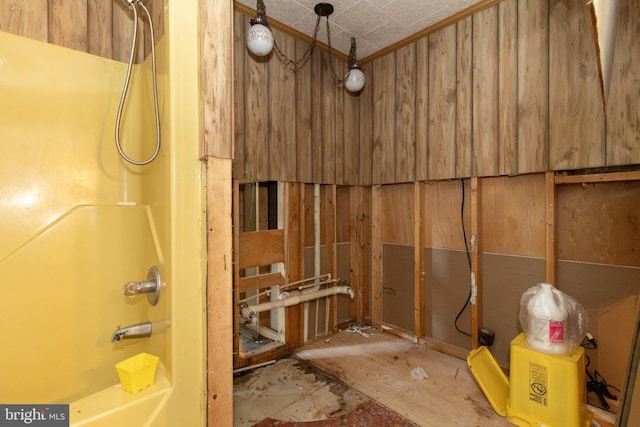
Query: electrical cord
x=466 y=246
x=596 y=383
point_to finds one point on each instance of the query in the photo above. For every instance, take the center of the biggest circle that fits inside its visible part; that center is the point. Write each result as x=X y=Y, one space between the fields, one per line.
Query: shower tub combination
x=79 y=223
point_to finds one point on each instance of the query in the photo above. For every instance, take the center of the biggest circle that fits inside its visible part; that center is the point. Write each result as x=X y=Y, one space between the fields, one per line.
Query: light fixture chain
x=338 y=81
x=292 y=65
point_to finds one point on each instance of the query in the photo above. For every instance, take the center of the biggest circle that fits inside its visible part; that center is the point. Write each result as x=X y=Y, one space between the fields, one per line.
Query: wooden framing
x=220 y=315
x=356 y=307
x=376 y=257
x=236 y=271
x=476 y=260
x=418 y=264
x=293 y=255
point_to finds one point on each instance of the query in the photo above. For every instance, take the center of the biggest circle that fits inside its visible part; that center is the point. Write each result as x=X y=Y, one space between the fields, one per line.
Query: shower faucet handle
x=151 y=286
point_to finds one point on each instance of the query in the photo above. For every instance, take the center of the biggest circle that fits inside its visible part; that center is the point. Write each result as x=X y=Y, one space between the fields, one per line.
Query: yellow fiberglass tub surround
x=83 y=231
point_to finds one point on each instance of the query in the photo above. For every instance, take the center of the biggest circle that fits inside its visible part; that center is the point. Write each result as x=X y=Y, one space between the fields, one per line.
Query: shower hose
x=133 y=4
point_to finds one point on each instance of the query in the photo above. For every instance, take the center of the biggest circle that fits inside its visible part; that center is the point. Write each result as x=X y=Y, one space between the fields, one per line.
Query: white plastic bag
x=553 y=322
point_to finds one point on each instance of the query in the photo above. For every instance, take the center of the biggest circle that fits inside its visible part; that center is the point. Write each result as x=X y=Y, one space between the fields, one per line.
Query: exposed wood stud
x=476 y=259
x=419 y=267
x=376 y=256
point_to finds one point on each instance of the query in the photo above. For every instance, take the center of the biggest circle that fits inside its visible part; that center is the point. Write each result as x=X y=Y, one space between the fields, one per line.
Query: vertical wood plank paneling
x=576 y=119
x=351 y=144
x=365 y=126
x=25 y=18
x=157 y=14
x=99 y=19
x=256 y=118
x=281 y=130
x=405 y=137
x=485 y=92
x=156 y=10
x=68 y=24
x=122 y=27
x=239 y=79
x=217 y=91
x=464 y=106
x=508 y=87
x=339 y=118
x=533 y=85
x=384 y=100
x=315 y=64
x=442 y=104
x=623 y=112
x=422 y=108
x=304 y=163
x=551 y=246
x=328 y=123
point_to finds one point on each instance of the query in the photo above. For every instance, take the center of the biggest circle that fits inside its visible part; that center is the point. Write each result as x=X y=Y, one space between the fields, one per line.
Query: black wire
x=466 y=246
x=596 y=382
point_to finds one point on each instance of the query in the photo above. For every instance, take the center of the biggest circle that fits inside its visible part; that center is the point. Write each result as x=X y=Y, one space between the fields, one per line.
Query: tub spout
x=139 y=330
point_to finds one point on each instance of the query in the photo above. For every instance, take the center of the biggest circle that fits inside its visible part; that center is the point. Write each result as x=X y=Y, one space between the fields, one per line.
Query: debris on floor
x=292 y=392
x=358 y=328
x=419 y=374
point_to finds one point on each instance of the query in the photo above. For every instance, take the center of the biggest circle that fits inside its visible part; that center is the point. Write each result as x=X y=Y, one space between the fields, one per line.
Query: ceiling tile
x=376 y=24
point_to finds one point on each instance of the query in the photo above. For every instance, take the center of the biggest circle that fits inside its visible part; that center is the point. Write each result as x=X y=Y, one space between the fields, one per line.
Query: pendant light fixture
x=260 y=42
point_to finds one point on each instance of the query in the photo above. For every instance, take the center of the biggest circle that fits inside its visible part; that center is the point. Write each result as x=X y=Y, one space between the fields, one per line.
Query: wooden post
x=236 y=271
x=550 y=235
x=330 y=240
x=418 y=263
x=476 y=259
x=355 y=251
x=376 y=257
x=292 y=256
x=219 y=293
x=302 y=221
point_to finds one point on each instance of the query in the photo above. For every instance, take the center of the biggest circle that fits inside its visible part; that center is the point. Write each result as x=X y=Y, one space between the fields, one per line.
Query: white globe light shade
x=259 y=40
x=354 y=80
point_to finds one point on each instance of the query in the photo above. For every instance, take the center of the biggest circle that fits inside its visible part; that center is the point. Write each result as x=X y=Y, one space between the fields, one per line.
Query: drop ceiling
x=375 y=24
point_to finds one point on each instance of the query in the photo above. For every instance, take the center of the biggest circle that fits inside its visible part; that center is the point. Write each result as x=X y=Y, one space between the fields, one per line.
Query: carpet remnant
x=368 y=414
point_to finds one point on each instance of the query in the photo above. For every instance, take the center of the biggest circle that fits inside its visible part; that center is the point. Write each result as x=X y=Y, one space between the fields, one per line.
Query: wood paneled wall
x=99 y=27
x=511 y=90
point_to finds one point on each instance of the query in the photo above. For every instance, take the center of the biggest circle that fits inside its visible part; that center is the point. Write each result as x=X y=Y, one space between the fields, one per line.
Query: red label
x=556 y=331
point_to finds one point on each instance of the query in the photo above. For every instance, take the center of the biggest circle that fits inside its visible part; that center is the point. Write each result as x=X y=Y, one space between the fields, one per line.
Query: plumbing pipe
x=250 y=312
x=323 y=279
x=316 y=260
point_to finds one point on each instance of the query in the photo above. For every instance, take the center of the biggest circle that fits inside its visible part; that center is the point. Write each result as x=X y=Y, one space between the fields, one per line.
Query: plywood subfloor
x=380 y=366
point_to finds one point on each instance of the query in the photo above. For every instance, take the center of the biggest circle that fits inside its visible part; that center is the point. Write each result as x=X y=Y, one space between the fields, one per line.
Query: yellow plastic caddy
x=545 y=390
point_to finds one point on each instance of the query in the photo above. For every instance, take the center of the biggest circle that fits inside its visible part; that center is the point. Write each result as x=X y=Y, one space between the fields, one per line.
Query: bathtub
x=70 y=300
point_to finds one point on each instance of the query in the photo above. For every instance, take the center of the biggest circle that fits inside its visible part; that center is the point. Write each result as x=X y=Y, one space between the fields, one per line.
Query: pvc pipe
x=251 y=311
